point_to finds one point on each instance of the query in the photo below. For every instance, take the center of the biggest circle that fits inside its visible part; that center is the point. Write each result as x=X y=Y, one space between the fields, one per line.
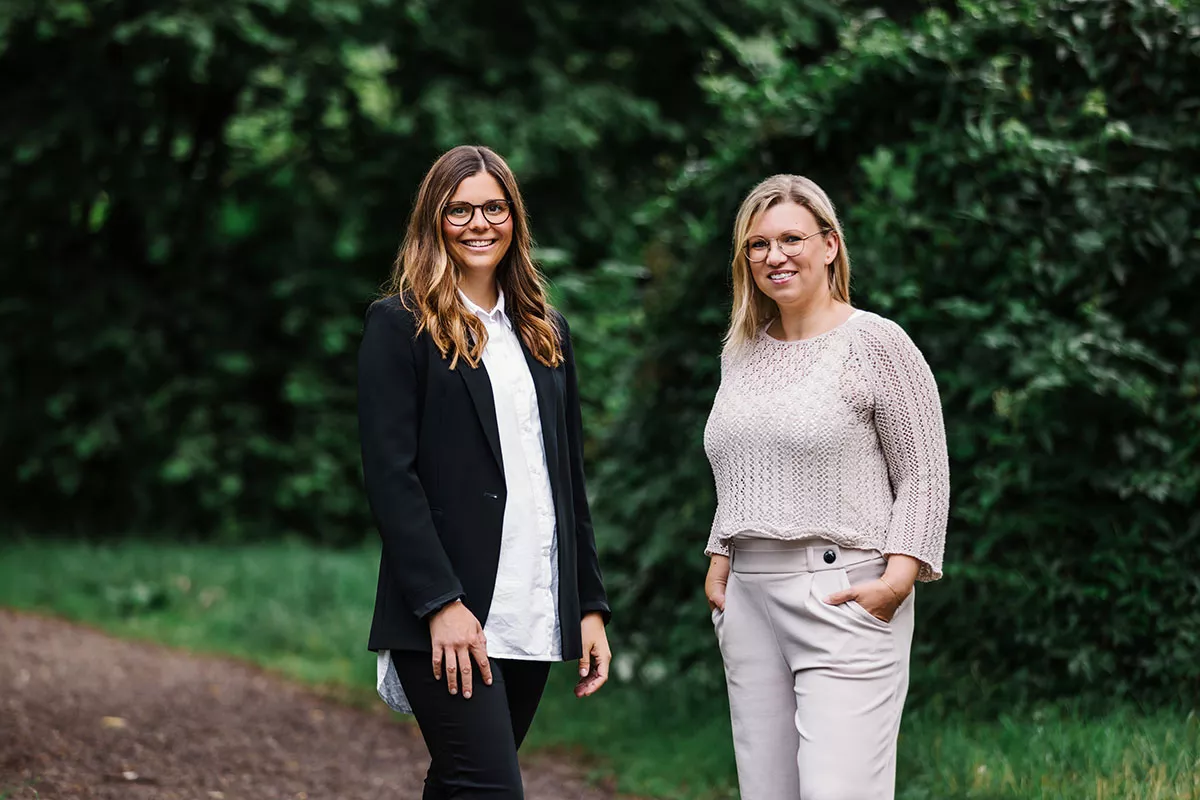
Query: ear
x=833 y=245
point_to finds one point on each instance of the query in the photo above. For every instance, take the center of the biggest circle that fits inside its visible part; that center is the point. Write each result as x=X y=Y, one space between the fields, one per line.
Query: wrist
x=455 y=602
x=901 y=588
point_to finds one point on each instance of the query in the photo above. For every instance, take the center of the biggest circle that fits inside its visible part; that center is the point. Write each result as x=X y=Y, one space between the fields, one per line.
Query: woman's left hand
x=882 y=596
x=875 y=596
x=593 y=667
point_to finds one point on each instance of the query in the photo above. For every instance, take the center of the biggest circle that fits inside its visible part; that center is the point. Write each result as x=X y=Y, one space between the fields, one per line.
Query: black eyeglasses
x=460 y=214
x=791 y=244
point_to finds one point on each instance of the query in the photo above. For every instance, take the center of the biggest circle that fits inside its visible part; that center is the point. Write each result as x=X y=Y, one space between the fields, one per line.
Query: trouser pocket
x=864 y=572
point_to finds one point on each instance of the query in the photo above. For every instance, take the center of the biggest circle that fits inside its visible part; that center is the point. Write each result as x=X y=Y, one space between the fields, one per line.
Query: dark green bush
x=200 y=201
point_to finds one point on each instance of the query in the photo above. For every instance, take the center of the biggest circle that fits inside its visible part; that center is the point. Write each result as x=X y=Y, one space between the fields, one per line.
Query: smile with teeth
x=781 y=276
x=479 y=244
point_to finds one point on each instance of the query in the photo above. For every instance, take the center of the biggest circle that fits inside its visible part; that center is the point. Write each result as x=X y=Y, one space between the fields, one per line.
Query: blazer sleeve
x=389 y=409
x=592 y=597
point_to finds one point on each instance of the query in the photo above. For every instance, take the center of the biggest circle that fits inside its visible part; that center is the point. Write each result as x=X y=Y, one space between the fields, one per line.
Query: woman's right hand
x=457 y=635
x=715 y=582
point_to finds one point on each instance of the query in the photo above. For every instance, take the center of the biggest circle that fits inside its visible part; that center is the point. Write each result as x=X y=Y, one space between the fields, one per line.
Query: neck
x=483 y=290
x=806 y=318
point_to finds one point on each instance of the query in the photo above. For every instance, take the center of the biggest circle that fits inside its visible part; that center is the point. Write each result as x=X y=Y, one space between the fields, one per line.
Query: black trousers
x=473 y=743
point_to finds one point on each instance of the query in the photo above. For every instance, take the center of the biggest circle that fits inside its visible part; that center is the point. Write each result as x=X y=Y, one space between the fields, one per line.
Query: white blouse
x=523 y=621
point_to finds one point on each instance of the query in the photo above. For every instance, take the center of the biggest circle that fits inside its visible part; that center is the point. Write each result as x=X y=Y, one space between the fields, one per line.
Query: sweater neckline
x=858 y=314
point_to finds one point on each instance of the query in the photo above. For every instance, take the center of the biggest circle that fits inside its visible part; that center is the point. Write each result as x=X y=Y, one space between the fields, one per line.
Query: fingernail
x=467 y=695
x=583 y=672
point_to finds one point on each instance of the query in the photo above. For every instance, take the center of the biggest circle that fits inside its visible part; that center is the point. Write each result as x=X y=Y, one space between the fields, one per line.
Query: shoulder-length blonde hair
x=751 y=308
x=426 y=278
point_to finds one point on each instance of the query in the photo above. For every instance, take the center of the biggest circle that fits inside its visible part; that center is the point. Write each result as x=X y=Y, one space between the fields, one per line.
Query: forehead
x=478 y=188
x=783 y=217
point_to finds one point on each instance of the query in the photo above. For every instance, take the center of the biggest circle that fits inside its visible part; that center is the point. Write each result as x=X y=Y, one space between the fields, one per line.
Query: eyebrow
x=796 y=231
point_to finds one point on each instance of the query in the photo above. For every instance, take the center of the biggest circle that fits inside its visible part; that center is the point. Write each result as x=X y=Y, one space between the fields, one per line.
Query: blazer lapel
x=479 y=385
x=543 y=384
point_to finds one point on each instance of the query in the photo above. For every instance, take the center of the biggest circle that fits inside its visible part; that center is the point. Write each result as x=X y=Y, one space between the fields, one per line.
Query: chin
x=769 y=291
x=778 y=295
x=472 y=262
x=791 y=294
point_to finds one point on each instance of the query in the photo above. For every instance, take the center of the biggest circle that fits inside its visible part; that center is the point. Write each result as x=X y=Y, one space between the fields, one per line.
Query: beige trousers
x=815 y=691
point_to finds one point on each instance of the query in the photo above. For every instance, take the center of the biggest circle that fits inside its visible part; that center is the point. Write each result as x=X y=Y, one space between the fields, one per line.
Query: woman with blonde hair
x=829 y=456
x=472 y=452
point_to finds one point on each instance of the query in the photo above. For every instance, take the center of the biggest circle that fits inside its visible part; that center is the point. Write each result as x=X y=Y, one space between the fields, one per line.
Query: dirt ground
x=84 y=715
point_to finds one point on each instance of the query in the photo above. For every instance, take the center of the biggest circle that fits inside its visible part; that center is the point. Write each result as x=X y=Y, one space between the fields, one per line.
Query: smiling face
x=789 y=280
x=477 y=246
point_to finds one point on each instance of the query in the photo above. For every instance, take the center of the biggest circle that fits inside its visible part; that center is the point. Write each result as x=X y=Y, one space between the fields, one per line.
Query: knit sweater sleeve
x=716 y=546
x=908 y=420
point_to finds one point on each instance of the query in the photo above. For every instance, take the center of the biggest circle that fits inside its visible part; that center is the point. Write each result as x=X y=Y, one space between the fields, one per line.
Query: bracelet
x=893 y=588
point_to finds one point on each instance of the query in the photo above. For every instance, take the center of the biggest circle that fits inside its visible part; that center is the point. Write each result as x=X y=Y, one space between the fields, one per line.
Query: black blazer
x=434 y=477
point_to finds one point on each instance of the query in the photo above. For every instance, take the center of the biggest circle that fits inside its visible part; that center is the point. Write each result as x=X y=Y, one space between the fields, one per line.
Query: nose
x=478 y=222
x=776 y=256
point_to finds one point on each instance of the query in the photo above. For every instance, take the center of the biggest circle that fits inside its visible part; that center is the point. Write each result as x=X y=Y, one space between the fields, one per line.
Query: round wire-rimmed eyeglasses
x=791 y=244
x=461 y=213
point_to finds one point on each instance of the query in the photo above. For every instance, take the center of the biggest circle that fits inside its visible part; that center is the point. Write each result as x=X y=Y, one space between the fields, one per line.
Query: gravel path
x=84 y=715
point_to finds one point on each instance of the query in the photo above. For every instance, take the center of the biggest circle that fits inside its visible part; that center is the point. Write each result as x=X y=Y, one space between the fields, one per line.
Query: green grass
x=304 y=612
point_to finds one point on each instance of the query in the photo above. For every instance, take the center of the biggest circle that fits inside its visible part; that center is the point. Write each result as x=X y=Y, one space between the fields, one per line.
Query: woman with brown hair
x=471 y=438
x=829 y=457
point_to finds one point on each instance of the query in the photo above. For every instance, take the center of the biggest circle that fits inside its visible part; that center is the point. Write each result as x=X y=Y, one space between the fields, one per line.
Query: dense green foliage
x=1019 y=187
x=199 y=202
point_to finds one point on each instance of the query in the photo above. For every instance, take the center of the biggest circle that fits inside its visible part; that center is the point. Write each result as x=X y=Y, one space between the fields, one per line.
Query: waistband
x=805 y=555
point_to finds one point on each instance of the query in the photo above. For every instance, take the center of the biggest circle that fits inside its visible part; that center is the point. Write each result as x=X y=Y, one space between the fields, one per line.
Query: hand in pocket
x=876 y=598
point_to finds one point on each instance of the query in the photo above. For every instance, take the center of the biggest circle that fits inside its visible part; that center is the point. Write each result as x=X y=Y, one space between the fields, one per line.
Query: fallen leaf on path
x=113 y=722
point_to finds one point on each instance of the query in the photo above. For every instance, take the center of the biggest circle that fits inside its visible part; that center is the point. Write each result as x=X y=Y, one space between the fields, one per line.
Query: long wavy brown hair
x=426 y=278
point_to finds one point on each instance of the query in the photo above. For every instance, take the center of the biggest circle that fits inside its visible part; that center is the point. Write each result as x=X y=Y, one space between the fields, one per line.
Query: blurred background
x=200 y=199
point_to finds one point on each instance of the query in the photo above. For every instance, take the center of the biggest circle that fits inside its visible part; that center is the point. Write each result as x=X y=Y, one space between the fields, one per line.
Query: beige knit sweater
x=838 y=436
